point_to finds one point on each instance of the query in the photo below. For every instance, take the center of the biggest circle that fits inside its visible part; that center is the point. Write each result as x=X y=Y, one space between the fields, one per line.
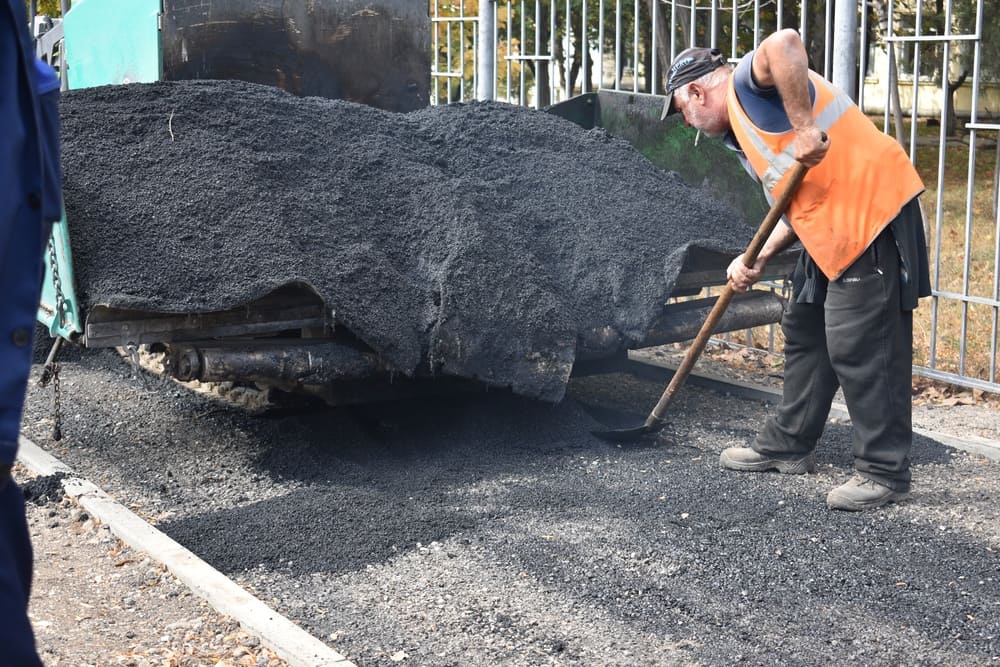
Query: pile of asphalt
x=479 y=241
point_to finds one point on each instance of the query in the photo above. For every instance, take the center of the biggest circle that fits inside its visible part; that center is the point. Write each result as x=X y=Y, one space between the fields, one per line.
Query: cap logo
x=679 y=64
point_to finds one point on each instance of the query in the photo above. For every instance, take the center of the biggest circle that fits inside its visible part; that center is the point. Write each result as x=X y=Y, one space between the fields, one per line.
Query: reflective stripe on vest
x=862 y=183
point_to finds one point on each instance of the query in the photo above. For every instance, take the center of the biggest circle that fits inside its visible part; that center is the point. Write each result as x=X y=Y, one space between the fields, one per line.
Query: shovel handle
x=655 y=418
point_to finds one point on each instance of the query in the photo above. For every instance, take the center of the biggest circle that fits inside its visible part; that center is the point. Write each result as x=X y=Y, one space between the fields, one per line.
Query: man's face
x=705 y=110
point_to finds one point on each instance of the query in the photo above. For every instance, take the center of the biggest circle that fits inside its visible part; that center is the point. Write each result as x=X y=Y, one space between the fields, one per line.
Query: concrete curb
x=662 y=371
x=287 y=640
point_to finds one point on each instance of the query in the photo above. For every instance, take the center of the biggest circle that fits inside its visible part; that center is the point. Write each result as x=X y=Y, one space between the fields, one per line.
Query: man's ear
x=695 y=91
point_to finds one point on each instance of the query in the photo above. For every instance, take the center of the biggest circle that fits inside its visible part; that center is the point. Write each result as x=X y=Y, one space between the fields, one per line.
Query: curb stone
x=290 y=642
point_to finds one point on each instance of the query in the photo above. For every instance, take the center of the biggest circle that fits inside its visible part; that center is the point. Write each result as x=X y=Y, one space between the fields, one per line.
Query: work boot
x=748 y=460
x=861 y=493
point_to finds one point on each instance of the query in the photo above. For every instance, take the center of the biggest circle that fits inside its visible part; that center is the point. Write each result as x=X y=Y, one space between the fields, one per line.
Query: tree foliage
x=46 y=7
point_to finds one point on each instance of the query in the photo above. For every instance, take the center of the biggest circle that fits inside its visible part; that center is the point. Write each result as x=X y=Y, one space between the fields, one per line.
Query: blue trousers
x=17 y=641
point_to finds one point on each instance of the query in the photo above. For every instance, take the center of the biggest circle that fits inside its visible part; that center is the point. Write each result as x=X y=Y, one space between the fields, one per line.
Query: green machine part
x=112 y=41
x=670 y=145
x=58 y=310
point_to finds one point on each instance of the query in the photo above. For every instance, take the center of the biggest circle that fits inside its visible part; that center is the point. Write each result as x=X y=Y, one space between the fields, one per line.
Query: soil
x=485 y=530
x=96 y=601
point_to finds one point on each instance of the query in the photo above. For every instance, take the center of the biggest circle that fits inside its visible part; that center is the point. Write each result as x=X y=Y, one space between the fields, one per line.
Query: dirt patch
x=96 y=601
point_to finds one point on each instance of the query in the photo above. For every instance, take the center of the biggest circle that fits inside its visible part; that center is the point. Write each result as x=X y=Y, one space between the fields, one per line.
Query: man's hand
x=811 y=145
x=741 y=276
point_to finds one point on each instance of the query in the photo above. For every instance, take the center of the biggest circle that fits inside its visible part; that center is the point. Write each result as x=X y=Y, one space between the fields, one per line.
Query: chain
x=56 y=404
x=50 y=374
x=57 y=284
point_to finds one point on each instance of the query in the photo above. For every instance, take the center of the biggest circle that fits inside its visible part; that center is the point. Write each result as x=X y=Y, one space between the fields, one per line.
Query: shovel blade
x=628 y=434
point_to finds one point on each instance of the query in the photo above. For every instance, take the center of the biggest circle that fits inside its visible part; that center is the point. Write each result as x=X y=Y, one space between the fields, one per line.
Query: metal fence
x=917 y=69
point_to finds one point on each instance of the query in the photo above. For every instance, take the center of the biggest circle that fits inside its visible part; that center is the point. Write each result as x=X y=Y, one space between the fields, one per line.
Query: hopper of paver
x=451 y=248
x=454 y=247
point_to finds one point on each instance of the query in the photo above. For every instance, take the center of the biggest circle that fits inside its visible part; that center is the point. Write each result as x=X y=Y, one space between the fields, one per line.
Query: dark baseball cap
x=689 y=65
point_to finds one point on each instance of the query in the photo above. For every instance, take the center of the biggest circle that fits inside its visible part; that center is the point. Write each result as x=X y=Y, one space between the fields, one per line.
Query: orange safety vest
x=846 y=200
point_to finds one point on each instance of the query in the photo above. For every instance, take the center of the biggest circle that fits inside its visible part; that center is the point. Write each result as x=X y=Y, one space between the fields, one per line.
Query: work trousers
x=859 y=338
x=17 y=643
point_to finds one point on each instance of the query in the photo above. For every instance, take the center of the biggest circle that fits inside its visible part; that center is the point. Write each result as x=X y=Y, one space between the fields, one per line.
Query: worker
x=849 y=321
x=29 y=202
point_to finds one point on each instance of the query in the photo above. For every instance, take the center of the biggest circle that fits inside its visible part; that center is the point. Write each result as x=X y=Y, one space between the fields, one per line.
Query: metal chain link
x=56 y=404
x=50 y=373
x=57 y=283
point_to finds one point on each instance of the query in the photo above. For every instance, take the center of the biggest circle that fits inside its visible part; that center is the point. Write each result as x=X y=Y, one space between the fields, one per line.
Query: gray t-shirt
x=762 y=105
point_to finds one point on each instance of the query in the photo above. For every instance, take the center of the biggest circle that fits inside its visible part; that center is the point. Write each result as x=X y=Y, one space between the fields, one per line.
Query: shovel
x=655 y=422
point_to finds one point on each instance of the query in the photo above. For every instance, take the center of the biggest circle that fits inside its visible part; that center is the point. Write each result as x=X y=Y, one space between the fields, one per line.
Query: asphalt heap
x=478 y=240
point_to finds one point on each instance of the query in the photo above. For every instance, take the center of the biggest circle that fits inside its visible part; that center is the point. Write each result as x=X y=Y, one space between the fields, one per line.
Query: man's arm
x=781 y=62
x=741 y=276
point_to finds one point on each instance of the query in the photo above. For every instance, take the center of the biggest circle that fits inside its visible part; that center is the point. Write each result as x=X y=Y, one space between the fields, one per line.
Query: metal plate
x=112 y=41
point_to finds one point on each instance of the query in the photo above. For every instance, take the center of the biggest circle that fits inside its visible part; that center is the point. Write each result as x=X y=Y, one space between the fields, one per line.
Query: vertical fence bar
x=537 y=56
x=654 y=11
x=673 y=29
x=890 y=74
x=995 y=318
x=803 y=23
x=862 y=52
x=584 y=77
x=510 y=64
x=448 y=67
x=567 y=61
x=635 y=48
x=734 y=31
x=756 y=23
x=996 y=296
x=522 y=92
x=694 y=23
x=460 y=24
x=435 y=61
x=600 y=46
x=714 y=39
x=618 y=44
x=918 y=29
x=942 y=146
x=486 y=51
x=827 y=40
x=551 y=64
x=844 y=44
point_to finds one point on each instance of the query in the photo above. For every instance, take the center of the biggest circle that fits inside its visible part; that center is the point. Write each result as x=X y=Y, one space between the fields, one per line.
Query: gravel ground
x=96 y=601
x=487 y=529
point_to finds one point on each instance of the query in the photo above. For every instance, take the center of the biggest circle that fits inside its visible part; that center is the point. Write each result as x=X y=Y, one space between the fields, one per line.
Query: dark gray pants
x=858 y=337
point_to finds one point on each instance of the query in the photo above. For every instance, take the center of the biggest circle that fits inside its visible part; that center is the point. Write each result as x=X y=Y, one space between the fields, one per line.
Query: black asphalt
x=481 y=240
x=492 y=530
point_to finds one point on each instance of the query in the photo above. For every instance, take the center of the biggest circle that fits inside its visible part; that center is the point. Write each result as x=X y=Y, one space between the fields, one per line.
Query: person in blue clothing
x=30 y=202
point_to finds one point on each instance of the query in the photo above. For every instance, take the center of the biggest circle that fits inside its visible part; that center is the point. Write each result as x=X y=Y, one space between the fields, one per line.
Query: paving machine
x=375 y=52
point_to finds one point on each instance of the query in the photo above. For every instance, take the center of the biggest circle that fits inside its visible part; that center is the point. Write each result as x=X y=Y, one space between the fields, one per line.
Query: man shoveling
x=849 y=322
